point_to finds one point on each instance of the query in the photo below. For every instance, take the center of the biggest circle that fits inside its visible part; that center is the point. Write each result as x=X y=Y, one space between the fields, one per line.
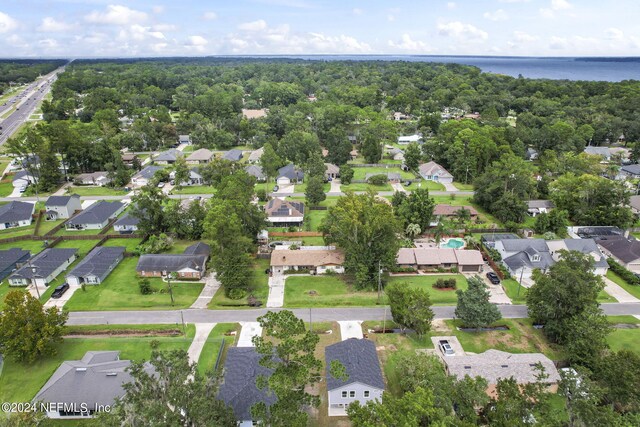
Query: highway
x=26 y=103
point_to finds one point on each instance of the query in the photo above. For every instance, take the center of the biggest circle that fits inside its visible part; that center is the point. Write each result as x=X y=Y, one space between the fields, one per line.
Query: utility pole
x=520 y=283
x=379 y=280
x=169 y=277
x=310 y=321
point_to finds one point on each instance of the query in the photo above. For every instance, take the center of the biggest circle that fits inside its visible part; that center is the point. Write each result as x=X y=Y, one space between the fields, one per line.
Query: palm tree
x=442 y=229
x=413 y=230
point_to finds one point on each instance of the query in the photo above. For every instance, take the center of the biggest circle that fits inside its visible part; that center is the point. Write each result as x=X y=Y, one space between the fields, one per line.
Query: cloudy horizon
x=156 y=28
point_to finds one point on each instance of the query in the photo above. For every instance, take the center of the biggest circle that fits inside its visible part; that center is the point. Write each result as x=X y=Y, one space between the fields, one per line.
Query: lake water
x=602 y=69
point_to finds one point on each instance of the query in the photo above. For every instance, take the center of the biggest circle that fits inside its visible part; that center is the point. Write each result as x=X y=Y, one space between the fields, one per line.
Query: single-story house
x=535 y=207
x=603 y=152
x=257 y=172
x=254 y=114
x=232 y=155
x=191 y=264
x=62 y=207
x=434 y=172
x=531 y=154
x=80 y=388
x=126 y=224
x=11 y=259
x=23 y=178
x=96 y=216
x=184 y=139
x=95 y=178
x=96 y=266
x=398 y=116
x=494 y=365
x=143 y=177
x=238 y=388
x=318 y=261
x=255 y=155
x=332 y=171
x=289 y=174
x=630 y=171
x=16 y=214
x=408 y=139
x=200 y=156
x=129 y=158
x=168 y=157
x=194 y=177
x=448 y=212
x=44 y=267
x=634 y=204
x=625 y=251
x=466 y=261
x=364 y=380
x=391 y=176
x=284 y=213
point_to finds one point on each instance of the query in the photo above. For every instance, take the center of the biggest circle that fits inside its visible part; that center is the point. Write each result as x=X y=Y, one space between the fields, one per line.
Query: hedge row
x=628 y=276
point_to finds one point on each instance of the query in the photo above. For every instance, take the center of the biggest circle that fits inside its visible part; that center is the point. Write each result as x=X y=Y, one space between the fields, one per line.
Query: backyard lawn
x=46 y=226
x=438 y=297
x=34 y=246
x=129 y=244
x=18 y=231
x=64 y=232
x=20 y=382
x=260 y=284
x=315 y=218
x=83 y=246
x=209 y=354
x=120 y=291
x=96 y=191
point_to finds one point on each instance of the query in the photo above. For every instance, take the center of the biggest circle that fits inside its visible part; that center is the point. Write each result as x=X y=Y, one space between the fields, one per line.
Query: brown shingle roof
x=301 y=257
x=201 y=154
x=448 y=210
x=254 y=114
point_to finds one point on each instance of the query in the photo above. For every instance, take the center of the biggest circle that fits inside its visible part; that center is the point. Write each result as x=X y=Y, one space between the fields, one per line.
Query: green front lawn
x=624 y=339
x=120 y=291
x=365 y=187
x=96 y=191
x=438 y=297
x=512 y=287
x=195 y=189
x=301 y=188
x=260 y=289
x=6 y=186
x=632 y=289
x=361 y=173
x=429 y=185
x=20 y=382
x=463 y=187
x=324 y=291
x=209 y=354
x=129 y=244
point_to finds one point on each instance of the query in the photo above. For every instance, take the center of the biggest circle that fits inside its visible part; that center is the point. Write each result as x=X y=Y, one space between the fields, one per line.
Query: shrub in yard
x=378 y=179
x=253 y=301
x=154 y=344
x=236 y=293
x=145 y=287
x=626 y=275
x=445 y=284
x=261 y=194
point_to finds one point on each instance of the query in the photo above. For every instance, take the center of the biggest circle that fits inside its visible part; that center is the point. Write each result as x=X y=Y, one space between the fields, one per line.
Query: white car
x=446 y=348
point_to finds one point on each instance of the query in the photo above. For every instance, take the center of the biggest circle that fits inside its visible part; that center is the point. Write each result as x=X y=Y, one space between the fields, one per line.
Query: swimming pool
x=453 y=243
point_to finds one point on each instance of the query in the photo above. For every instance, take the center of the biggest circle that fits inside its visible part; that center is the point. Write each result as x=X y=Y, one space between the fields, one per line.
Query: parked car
x=407 y=183
x=60 y=290
x=446 y=348
x=160 y=184
x=493 y=278
x=276 y=188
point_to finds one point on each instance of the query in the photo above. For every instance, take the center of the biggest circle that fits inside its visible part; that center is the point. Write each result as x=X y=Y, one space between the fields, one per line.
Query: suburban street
x=317 y=314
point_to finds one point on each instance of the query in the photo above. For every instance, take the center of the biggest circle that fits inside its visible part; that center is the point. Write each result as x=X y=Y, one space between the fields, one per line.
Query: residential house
x=81 y=388
x=168 y=157
x=398 y=116
x=408 y=139
x=238 y=389
x=96 y=216
x=191 y=264
x=62 y=207
x=256 y=155
x=595 y=232
x=450 y=212
x=129 y=159
x=11 y=259
x=434 y=172
x=16 y=214
x=391 y=176
x=466 y=261
x=625 y=251
x=603 y=152
x=194 y=177
x=331 y=172
x=289 y=174
x=23 y=178
x=634 y=203
x=630 y=171
x=44 y=267
x=531 y=154
x=585 y=246
x=126 y=224
x=96 y=266
x=143 y=177
x=363 y=381
x=317 y=261
x=254 y=114
x=396 y=154
x=489 y=240
x=200 y=156
x=257 y=172
x=494 y=365
x=95 y=178
x=184 y=139
x=535 y=207
x=232 y=155
x=284 y=213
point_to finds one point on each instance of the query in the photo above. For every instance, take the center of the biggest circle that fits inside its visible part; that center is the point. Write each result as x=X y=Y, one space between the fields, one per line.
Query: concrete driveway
x=200 y=338
x=618 y=292
x=453 y=342
x=276 y=290
x=285 y=190
x=497 y=293
x=335 y=186
x=15 y=193
x=449 y=187
x=397 y=187
x=248 y=331
x=211 y=286
x=60 y=302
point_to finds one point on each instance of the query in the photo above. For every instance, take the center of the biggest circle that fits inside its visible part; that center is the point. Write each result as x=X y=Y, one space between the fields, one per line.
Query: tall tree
x=410 y=307
x=28 y=331
x=417 y=208
x=314 y=193
x=148 y=205
x=346 y=174
x=270 y=161
x=474 y=308
x=181 y=172
x=412 y=156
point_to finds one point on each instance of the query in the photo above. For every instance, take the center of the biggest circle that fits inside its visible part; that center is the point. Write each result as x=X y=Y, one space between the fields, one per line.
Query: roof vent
x=112 y=374
x=467 y=367
x=505 y=366
x=81 y=369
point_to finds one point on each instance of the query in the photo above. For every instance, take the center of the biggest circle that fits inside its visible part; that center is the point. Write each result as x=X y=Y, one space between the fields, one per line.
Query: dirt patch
x=495 y=339
x=124 y=333
x=439 y=325
x=443 y=289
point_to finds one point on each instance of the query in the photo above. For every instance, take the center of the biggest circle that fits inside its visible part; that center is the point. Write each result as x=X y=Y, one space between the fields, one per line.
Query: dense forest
x=25 y=71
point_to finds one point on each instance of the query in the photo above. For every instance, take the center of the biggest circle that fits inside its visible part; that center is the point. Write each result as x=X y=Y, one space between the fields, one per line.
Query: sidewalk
x=248 y=331
x=211 y=286
x=202 y=334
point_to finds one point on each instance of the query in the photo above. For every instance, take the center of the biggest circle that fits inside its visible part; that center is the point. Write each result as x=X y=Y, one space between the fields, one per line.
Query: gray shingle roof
x=626 y=250
x=168 y=156
x=256 y=171
x=96 y=379
x=631 y=169
x=537 y=204
x=127 y=220
x=60 y=200
x=171 y=262
x=238 y=388
x=46 y=262
x=16 y=211
x=360 y=360
x=586 y=246
x=97 y=213
x=198 y=249
x=9 y=258
x=291 y=172
x=598 y=151
x=233 y=155
x=521 y=259
x=148 y=172
x=98 y=262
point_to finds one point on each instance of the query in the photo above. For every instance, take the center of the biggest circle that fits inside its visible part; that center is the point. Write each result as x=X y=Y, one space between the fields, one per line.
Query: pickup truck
x=445 y=347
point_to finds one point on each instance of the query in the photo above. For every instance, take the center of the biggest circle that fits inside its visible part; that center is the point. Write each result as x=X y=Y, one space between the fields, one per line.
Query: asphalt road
x=27 y=102
x=317 y=314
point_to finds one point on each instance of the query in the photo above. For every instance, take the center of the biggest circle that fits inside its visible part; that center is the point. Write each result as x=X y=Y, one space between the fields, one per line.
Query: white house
x=143 y=177
x=95 y=178
x=364 y=380
x=194 y=177
x=16 y=214
x=408 y=139
x=23 y=179
x=62 y=207
x=434 y=172
x=44 y=267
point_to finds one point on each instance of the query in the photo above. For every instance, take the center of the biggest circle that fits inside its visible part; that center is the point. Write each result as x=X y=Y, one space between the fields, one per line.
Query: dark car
x=60 y=290
x=407 y=183
x=276 y=188
x=493 y=278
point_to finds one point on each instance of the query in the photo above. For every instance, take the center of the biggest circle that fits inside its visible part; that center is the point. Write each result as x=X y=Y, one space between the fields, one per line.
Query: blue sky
x=95 y=28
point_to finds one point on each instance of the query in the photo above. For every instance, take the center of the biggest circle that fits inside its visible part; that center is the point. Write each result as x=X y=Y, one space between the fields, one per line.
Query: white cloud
x=164 y=27
x=614 y=34
x=16 y=41
x=560 y=5
x=50 y=25
x=498 y=15
x=7 y=23
x=462 y=32
x=197 y=43
x=514 y=1
x=258 y=25
x=522 y=37
x=116 y=15
x=547 y=13
x=558 y=43
x=357 y=11
x=408 y=44
x=451 y=5
x=391 y=18
x=158 y=9
x=210 y=16
x=48 y=43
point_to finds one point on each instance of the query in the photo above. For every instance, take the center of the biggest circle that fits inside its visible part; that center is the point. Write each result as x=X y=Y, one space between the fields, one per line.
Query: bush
x=626 y=275
x=145 y=287
x=253 y=301
x=261 y=194
x=445 y=284
x=493 y=254
x=378 y=179
x=236 y=293
x=154 y=344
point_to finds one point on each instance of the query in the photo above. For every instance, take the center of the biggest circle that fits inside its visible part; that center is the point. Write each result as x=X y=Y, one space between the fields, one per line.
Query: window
x=366 y=393
x=344 y=394
x=352 y=393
